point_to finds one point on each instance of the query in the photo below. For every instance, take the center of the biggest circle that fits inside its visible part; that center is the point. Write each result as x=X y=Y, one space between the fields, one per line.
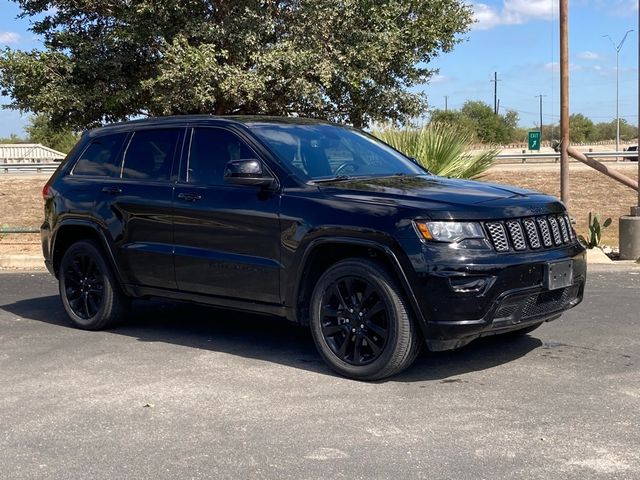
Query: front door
x=227 y=238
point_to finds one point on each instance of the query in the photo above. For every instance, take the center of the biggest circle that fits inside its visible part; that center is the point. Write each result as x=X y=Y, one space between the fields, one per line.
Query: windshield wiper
x=337 y=178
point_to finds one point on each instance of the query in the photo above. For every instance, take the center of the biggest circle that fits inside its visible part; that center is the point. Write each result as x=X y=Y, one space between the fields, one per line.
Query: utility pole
x=540 y=96
x=564 y=101
x=629 y=226
x=617 y=49
x=495 y=92
x=446 y=103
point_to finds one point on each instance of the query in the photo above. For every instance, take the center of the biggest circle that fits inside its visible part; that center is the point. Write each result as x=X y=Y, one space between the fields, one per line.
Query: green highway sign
x=534 y=140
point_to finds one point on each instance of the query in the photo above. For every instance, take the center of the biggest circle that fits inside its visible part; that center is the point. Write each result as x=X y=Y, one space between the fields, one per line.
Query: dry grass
x=589 y=191
x=21 y=206
x=21 y=201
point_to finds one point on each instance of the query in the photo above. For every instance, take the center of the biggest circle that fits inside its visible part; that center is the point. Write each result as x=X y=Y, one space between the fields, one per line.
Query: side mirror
x=247 y=172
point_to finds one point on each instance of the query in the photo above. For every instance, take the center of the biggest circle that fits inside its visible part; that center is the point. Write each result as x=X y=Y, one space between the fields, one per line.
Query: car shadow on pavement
x=270 y=339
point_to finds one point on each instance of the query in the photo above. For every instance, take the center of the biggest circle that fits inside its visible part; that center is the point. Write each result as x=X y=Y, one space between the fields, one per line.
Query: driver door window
x=211 y=149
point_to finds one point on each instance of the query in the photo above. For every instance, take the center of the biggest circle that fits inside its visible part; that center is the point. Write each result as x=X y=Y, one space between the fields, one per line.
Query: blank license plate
x=559 y=274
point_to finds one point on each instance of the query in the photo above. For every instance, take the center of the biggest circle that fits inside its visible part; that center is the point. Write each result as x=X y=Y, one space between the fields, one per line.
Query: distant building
x=28 y=153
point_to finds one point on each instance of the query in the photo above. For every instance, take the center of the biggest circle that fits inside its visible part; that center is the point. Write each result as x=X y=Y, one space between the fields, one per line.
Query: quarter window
x=211 y=149
x=100 y=158
x=150 y=155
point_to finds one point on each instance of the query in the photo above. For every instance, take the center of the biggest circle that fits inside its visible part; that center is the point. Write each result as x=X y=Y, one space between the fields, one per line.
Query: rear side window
x=211 y=149
x=150 y=154
x=100 y=158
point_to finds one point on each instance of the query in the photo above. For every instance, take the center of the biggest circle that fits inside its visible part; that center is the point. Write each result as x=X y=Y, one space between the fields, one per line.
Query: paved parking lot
x=190 y=392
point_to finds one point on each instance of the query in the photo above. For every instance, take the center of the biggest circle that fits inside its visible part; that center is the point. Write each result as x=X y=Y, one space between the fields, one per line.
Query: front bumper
x=467 y=298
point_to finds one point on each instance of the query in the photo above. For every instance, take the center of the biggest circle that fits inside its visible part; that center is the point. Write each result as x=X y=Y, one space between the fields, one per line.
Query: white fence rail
x=28 y=167
x=553 y=156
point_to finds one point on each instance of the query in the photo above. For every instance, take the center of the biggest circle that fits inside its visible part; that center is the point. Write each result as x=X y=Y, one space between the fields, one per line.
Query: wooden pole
x=601 y=167
x=564 y=100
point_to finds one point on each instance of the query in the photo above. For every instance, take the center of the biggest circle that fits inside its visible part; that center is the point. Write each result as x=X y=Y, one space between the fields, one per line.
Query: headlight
x=450 y=232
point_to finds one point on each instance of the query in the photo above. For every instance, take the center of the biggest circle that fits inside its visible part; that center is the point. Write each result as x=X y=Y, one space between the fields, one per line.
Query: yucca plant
x=442 y=148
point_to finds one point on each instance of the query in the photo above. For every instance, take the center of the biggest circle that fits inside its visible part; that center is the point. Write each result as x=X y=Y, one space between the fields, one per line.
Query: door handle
x=112 y=190
x=189 y=197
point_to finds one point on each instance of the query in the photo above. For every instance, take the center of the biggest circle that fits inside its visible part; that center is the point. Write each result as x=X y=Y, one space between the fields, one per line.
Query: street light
x=618 y=48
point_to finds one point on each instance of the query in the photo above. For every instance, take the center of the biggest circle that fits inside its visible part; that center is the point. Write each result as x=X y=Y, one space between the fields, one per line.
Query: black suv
x=321 y=224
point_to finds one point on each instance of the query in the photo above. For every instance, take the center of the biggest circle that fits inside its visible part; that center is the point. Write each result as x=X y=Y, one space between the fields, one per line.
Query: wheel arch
x=74 y=230
x=323 y=252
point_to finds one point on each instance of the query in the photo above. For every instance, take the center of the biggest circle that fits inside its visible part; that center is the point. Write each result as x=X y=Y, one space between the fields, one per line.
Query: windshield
x=323 y=152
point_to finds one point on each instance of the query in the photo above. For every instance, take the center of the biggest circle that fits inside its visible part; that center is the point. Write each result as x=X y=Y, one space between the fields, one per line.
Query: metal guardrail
x=28 y=167
x=522 y=157
x=19 y=230
x=537 y=157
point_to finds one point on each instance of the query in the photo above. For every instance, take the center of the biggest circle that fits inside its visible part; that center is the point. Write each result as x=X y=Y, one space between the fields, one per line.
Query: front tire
x=360 y=321
x=89 y=291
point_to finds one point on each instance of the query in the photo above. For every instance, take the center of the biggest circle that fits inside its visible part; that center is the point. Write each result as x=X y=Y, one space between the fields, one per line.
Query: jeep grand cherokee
x=321 y=224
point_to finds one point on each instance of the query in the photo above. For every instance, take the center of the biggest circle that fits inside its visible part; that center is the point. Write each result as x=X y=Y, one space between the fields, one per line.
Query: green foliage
x=478 y=119
x=40 y=130
x=595 y=230
x=440 y=148
x=607 y=131
x=581 y=127
x=583 y=130
x=109 y=60
x=13 y=138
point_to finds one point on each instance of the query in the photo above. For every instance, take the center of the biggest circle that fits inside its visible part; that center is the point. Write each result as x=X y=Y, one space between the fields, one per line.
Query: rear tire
x=89 y=290
x=360 y=321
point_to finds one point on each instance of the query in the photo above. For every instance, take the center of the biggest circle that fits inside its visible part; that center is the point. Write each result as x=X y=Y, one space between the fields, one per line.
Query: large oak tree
x=346 y=60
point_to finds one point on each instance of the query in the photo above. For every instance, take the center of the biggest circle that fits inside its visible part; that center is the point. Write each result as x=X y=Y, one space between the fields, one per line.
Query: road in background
x=191 y=392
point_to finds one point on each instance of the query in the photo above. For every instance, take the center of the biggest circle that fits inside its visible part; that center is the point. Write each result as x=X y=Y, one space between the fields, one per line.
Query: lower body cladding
x=462 y=303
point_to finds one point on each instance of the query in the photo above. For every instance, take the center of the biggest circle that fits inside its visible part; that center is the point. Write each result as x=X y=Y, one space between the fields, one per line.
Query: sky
x=518 y=39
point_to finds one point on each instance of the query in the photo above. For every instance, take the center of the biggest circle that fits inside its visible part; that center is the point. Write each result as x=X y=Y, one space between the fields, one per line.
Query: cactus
x=595 y=230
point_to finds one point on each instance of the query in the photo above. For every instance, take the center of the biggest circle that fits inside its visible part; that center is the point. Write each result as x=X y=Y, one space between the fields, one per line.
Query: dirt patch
x=21 y=206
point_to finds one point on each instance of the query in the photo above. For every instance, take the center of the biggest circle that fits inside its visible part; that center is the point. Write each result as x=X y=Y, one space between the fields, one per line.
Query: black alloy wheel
x=89 y=291
x=84 y=287
x=360 y=322
x=355 y=321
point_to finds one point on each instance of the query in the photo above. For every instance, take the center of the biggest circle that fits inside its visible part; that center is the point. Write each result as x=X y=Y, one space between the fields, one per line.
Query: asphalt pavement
x=184 y=392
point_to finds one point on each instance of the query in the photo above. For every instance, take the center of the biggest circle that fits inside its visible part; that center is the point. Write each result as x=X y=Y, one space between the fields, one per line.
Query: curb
x=596 y=255
x=22 y=262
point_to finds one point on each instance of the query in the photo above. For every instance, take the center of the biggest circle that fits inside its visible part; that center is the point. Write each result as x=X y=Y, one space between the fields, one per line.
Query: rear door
x=227 y=238
x=137 y=206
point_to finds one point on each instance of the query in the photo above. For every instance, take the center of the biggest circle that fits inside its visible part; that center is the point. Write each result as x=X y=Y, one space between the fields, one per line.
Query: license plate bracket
x=558 y=275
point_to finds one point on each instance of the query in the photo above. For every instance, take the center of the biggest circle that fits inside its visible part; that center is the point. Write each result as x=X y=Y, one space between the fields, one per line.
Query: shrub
x=441 y=148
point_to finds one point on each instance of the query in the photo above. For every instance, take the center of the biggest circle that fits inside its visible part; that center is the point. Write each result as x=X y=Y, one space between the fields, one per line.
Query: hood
x=471 y=199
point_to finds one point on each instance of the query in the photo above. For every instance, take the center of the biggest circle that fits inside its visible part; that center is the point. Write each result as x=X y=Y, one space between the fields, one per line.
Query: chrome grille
x=555 y=229
x=546 y=233
x=498 y=236
x=530 y=233
x=563 y=229
x=516 y=234
x=572 y=233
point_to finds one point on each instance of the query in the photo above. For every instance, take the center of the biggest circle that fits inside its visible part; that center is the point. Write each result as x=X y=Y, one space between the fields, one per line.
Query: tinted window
x=320 y=151
x=211 y=149
x=150 y=154
x=100 y=158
